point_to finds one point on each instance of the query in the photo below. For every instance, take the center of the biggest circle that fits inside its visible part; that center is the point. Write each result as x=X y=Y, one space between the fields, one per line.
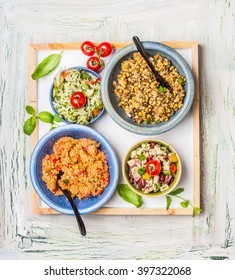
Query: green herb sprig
x=44 y=116
x=129 y=196
x=184 y=203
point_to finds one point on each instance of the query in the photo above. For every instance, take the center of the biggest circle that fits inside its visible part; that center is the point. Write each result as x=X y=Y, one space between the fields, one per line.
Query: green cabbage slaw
x=65 y=84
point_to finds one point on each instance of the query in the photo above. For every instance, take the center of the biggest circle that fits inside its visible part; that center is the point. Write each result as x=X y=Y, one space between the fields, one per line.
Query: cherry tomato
x=104 y=49
x=77 y=100
x=88 y=48
x=153 y=167
x=173 y=168
x=93 y=63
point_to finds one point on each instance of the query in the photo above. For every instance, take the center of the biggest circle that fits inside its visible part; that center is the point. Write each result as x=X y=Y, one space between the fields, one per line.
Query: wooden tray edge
x=33 y=48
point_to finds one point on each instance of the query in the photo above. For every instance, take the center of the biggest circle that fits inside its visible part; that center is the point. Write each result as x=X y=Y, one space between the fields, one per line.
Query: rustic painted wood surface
x=212 y=24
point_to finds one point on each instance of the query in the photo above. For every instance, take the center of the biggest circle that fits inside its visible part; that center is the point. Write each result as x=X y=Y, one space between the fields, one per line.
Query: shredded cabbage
x=76 y=80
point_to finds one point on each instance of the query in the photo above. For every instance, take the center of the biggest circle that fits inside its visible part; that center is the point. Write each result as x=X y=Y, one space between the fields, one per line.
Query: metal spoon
x=145 y=56
x=76 y=212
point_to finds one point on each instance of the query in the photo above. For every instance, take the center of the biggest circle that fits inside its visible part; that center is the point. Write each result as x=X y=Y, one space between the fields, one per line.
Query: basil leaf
x=196 y=211
x=56 y=119
x=53 y=127
x=185 y=203
x=46 y=117
x=128 y=195
x=168 y=202
x=46 y=66
x=177 y=191
x=30 y=110
x=29 y=125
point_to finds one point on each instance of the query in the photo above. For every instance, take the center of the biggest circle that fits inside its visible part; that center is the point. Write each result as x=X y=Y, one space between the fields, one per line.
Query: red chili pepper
x=153 y=167
x=54 y=160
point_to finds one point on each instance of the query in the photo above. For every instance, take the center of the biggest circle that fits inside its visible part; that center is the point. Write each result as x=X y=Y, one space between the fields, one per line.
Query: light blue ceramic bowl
x=51 y=97
x=60 y=203
x=110 y=100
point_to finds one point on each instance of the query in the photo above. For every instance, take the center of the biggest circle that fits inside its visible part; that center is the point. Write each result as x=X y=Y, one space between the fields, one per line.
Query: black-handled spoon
x=145 y=56
x=76 y=212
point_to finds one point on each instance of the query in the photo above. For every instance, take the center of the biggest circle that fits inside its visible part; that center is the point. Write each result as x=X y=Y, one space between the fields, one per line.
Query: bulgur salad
x=141 y=96
x=84 y=167
x=76 y=96
x=152 y=167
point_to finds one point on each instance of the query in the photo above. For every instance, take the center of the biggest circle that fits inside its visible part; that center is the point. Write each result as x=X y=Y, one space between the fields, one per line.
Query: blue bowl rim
x=43 y=142
x=154 y=130
x=51 y=98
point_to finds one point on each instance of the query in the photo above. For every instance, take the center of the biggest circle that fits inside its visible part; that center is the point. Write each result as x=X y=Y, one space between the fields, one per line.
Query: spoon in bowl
x=67 y=193
x=145 y=56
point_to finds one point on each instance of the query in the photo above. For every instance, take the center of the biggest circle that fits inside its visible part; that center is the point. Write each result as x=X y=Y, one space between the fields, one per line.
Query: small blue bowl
x=51 y=97
x=45 y=146
x=110 y=100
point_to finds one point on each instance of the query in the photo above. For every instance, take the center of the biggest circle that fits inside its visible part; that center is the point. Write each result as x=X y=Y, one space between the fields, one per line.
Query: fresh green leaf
x=56 y=119
x=141 y=170
x=46 y=117
x=176 y=192
x=162 y=89
x=196 y=211
x=46 y=66
x=30 y=110
x=148 y=120
x=142 y=157
x=29 y=125
x=168 y=202
x=84 y=75
x=66 y=181
x=53 y=127
x=128 y=195
x=185 y=203
x=181 y=81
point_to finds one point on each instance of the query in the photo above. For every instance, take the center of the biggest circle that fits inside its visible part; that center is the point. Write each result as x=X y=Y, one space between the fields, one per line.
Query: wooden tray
x=116 y=209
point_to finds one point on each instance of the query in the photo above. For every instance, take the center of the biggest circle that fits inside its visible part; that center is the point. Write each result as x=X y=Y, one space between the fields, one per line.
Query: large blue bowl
x=110 y=100
x=51 y=95
x=45 y=146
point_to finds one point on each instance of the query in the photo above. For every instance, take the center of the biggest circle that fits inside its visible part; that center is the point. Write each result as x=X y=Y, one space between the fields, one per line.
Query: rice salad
x=75 y=80
x=84 y=166
x=152 y=167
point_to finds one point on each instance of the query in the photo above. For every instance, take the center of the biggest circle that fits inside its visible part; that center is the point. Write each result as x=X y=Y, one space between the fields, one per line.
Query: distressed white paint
x=211 y=23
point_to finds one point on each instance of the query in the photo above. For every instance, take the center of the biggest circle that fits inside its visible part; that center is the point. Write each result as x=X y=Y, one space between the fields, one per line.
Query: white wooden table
x=210 y=23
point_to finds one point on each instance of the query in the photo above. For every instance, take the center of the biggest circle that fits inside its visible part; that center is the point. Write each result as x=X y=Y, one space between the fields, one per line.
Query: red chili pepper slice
x=153 y=167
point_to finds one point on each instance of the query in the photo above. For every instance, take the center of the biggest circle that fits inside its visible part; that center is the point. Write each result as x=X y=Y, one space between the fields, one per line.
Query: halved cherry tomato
x=93 y=63
x=173 y=168
x=88 y=48
x=77 y=100
x=104 y=49
x=153 y=167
